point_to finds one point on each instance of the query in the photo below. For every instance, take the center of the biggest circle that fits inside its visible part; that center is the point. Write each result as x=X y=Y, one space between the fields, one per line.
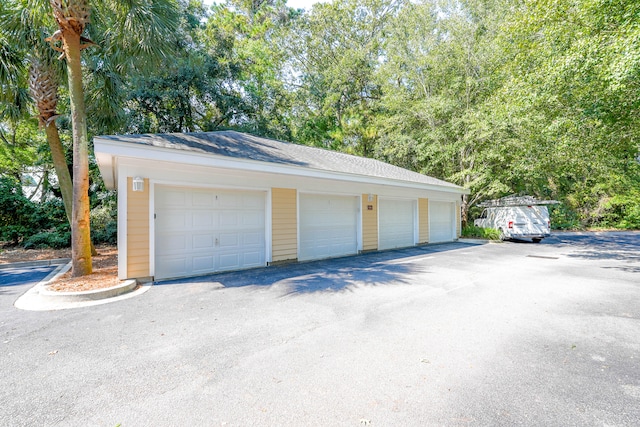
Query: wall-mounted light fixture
x=370 y=198
x=138 y=183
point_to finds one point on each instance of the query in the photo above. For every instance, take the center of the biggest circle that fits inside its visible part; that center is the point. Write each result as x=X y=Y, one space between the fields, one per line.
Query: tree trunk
x=62 y=171
x=464 y=211
x=80 y=230
x=60 y=165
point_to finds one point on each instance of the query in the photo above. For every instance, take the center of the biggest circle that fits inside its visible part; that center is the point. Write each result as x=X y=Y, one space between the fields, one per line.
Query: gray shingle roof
x=244 y=146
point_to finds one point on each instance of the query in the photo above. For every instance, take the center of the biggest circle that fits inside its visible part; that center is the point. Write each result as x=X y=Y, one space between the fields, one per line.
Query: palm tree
x=130 y=34
x=72 y=17
x=27 y=26
x=25 y=31
x=43 y=86
x=159 y=21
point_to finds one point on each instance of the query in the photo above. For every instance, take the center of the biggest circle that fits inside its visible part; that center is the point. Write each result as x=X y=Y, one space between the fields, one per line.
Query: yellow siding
x=458 y=219
x=369 y=223
x=284 y=224
x=423 y=220
x=137 y=231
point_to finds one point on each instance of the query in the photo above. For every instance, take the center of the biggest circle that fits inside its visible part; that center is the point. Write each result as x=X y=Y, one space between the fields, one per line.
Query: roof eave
x=108 y=150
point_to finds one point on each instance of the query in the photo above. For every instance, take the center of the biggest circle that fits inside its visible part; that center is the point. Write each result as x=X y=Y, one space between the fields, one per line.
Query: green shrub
x=472 y=231
x=18 y=215
x=55 y=240
x=563 y=218
x=622 y=211
x=31 y=224
x=104 y=222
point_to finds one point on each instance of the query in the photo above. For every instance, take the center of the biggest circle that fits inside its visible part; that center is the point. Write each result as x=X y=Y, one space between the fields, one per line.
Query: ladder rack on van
x=516 y=201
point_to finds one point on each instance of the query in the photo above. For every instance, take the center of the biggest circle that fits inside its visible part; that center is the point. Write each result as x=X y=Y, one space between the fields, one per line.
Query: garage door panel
x=203 y=241
x=229 y=261
x=328 y=226
x=252 y=239
x=212 y=230
x=173 y=242
x=172 y=220
x=202 y=199
x=229 y=240
x=229 y=219
x=175 y=264
x=202 y=219
x=252 y=219
x=252 y=258
x=441 y=221
x=203 y=263
x=396 y=223
x=229 y=201
x=252 y=203
x=172 y=198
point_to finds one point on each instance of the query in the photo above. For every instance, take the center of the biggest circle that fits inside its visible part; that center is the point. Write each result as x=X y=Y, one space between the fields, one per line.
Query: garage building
x=198 y=203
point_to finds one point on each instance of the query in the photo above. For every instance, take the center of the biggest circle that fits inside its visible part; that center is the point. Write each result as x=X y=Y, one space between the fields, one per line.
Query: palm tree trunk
x=80 y=236
x=62 y=171
x=60 y=165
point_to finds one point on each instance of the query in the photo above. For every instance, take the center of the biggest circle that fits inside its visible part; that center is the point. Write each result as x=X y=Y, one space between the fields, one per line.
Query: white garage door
x=395 y=223
x=201 y=231
x=328 y=226
x=441 y=222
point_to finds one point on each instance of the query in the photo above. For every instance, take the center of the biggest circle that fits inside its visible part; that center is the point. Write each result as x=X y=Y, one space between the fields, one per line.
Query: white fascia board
x=148 y=152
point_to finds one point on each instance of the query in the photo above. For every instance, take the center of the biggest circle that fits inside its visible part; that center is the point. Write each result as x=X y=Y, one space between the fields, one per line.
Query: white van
x=516 y=221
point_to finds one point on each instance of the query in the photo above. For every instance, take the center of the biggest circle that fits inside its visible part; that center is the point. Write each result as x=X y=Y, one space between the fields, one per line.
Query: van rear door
x=539 y=222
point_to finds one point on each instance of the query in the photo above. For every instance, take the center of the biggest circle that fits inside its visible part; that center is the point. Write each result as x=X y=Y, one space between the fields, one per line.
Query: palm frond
x=135 y=34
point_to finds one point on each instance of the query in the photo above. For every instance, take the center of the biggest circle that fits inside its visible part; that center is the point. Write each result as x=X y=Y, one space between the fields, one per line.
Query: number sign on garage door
x=441 y=221
x=201 y=231
x=328 y=226
x=396 y=223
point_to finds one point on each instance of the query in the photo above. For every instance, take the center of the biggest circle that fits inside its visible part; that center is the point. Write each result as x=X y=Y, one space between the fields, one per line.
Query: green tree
x=26 y=25
x=335 y=52
x=248 y=39
x=135 y=27
x=570 y=104
x=439 y=69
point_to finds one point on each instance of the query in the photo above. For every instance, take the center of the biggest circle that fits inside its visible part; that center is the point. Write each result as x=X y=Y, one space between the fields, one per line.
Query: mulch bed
x=105 y=267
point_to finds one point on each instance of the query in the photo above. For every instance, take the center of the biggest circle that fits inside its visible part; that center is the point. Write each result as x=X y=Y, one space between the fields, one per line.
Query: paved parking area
x=16 y=279
x=28 y=275
x=454 y=334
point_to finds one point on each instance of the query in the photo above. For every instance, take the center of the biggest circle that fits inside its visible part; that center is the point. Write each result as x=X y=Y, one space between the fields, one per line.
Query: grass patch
x=474 y=232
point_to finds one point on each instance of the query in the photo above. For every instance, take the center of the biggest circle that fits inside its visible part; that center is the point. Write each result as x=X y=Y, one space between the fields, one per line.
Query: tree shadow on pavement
x=332 y=275
x=620 y=246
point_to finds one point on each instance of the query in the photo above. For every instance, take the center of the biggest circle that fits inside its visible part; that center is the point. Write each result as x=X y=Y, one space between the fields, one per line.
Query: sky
x=297 y=4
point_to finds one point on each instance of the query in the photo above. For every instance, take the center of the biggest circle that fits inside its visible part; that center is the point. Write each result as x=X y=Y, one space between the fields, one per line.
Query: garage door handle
x=217 y=242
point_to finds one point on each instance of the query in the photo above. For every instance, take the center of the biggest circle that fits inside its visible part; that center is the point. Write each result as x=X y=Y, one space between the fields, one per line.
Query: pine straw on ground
x=105 y=267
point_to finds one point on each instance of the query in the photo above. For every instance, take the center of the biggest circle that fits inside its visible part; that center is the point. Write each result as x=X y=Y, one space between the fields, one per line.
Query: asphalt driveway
x=27 y=275
x=16 y=279
x=454 y=334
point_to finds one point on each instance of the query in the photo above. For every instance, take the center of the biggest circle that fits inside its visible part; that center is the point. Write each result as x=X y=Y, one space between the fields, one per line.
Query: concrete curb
x=40 y=298
x=478 y=241
x=40 y=263
x=59 y=271
x=97 y=294
x=33 y=300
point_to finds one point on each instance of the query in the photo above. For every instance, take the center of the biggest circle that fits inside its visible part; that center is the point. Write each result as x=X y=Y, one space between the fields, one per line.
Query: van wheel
x=502 y=236
x=536 y=240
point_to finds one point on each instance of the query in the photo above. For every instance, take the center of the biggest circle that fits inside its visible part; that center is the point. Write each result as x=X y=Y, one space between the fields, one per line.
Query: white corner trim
x=152 y=228
x=123 y=241
x=268 y=231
